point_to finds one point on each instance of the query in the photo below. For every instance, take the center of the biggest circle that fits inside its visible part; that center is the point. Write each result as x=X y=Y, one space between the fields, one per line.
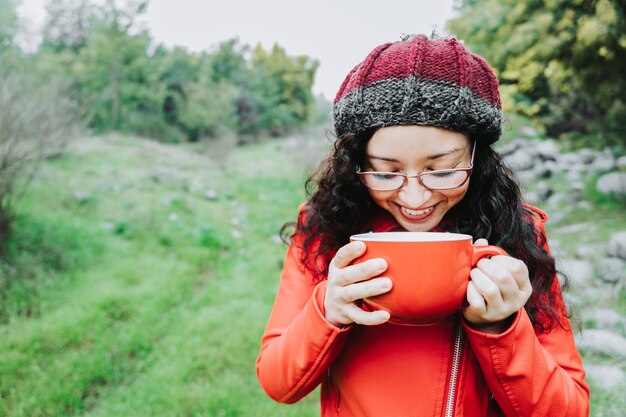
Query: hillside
x=143 y=274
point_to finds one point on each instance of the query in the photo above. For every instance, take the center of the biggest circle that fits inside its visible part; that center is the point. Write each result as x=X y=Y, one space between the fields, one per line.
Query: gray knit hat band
x=417 y=101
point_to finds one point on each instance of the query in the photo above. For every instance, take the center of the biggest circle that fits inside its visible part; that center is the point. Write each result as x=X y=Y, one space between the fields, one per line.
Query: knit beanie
x=421 y=81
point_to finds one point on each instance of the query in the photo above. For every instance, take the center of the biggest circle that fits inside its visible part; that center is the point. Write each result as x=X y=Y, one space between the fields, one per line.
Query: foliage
x=130 y=84
x=559 y=61
x=8 y=23
x=35 y=122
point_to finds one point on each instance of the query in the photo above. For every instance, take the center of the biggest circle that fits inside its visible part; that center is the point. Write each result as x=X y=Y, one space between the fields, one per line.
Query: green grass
x=147 y=298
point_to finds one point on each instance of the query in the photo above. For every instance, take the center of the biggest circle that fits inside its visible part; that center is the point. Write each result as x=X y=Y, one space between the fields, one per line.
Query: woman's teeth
x=416 y=212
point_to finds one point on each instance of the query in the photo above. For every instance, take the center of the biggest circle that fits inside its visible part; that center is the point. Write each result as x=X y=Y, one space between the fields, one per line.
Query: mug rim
x=409 y=237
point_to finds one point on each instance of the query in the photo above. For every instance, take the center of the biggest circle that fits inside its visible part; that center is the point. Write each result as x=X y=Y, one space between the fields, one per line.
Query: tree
x=36 y=121
x=560 y=61
x=8 y=23
x=68 y=24
x=281 y=88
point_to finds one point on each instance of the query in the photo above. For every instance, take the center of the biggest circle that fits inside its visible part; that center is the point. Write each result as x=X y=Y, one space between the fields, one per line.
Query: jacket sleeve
x=299 y=344
x=530 y=374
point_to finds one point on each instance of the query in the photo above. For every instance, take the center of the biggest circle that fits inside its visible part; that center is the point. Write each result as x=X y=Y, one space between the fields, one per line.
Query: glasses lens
x=441 y=180
x=382 y=180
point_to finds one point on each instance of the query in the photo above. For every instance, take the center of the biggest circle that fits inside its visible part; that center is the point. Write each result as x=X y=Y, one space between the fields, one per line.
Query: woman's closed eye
x=384 y=175
x=442 y=173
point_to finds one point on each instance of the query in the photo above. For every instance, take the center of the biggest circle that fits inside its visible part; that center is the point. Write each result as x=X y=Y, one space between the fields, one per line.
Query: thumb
x=481 y=242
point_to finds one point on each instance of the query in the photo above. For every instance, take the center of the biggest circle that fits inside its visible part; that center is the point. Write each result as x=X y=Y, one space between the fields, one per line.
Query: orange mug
x=429 y=270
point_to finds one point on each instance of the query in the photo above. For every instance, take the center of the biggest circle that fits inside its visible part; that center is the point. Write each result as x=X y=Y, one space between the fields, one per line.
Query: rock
x=525 y=178
x=509 y=148
x=612 y=270
x=577 y=228
x=210 y=195
x=621 y=162
x=604 y=318
x=603 y=163
x=597 y=295
x=528 y=132
x=617 y=245
x=521 y=160
x=532 y=197
x=591 y=251
x=612 y=183
x=544 y=191
x=569 y=159
x=543 y=170
x=602 y=341
x=548 y=150
x=82 y=197
x=605 y=376
x=573 y=175
x=587 y=156
x=579 y=272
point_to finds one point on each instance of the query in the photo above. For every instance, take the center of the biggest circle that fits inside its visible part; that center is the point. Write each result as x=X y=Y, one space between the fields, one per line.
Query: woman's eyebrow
x=429 y=157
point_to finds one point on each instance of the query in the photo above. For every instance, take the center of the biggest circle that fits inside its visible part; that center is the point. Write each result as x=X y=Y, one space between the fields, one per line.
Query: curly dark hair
x=339 y=205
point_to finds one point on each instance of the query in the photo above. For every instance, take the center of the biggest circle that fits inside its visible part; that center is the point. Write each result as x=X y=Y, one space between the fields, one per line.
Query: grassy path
x=160 y=296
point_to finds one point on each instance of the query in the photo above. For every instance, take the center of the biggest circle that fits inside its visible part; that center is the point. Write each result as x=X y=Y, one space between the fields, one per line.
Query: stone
x=547 y=149
x=621 y=162
x=603 y=163
x=579 y=272
x=521 y=160
x=617 y=245
x=573 y=175
x=597 y=295
x=577 y=228
x=612 y=270
x=544 y=191
x=612 y=183
x=591 y=251
x=543 y=170
x=210 y=195
x=604 y=318
x=525 y=178
x=587 y=156
x=603 y=342
x=605 y=376
x=509 y=148
x=82 y=197
x=529 y=132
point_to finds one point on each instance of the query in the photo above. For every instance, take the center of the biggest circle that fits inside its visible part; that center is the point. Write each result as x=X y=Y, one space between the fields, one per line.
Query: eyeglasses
x=443 y=179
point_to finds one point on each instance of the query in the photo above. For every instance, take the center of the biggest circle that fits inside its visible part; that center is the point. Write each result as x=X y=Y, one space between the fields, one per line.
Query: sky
x=338 y=33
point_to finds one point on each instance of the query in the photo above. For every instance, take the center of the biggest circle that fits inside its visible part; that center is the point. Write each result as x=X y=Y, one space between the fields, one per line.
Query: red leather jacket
x=446 y=369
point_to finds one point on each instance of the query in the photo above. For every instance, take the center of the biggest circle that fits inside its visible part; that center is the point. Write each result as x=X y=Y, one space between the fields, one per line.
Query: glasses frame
x=406 y=177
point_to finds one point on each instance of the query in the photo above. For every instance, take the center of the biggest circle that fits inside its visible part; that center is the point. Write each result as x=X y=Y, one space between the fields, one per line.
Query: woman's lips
x=419 y=214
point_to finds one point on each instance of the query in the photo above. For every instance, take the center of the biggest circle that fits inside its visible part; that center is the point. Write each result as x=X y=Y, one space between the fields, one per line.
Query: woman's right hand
x=348 y=284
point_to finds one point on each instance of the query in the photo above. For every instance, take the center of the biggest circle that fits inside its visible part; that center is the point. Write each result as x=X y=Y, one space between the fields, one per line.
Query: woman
x=415 y=121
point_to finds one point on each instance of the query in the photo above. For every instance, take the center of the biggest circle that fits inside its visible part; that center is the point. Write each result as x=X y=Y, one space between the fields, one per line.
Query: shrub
x=36 y=122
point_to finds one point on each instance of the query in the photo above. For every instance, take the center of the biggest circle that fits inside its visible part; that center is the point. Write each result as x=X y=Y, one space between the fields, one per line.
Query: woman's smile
x=413 y=150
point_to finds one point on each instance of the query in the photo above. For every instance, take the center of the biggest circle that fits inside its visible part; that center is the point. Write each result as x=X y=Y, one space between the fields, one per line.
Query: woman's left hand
x=499 y=287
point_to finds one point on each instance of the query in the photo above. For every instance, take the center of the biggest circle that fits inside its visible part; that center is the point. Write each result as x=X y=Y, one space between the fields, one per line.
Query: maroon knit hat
x=421 y=81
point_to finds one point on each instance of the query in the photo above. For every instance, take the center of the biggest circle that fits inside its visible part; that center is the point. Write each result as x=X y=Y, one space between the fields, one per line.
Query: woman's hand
x=499 y=287
x=350 y=283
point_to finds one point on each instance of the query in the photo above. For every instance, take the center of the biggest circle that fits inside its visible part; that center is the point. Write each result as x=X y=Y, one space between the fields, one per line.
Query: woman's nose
x=414 y=194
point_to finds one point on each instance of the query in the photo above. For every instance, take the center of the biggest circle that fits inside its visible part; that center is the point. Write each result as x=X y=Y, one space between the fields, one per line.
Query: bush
x=36 y=122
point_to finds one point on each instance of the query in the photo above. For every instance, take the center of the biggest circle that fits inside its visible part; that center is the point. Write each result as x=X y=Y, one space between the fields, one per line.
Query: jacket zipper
x=454 y=372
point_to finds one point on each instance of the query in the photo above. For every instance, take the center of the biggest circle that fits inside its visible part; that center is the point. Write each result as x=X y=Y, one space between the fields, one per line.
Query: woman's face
x=413 y=150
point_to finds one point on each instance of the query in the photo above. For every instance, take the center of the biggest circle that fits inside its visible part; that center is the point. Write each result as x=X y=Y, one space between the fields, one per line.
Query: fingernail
x=359 y=245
